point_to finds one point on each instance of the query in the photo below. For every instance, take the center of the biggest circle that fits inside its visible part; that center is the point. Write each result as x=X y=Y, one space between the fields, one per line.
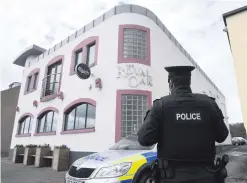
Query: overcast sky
x=196 y=24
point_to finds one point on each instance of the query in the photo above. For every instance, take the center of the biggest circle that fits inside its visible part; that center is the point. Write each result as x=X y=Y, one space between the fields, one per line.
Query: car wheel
x=146 y=178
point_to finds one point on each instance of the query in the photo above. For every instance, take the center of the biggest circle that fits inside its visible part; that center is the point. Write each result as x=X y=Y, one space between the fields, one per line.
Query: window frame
x=59 y=58
x=119 y=107
x=121 y=58
x=70 y=107
x=78 y=61
x=21 y=118
x=83 y=45
x=40 y=115
x=32 y=76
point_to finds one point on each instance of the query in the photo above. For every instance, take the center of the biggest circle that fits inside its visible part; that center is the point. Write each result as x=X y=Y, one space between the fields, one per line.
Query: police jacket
x=185 y=126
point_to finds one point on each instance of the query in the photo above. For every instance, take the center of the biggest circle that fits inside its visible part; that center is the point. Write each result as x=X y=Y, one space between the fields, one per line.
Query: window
x=29 y=79
x=35 y=80
x=47 y=122
x=90 y=54
x=134 y=43
x=24 y=125
x=51 y=82
x=32 y=81
x=78 y=57
x=133 y=109
x=81 y=116
x=85 y=52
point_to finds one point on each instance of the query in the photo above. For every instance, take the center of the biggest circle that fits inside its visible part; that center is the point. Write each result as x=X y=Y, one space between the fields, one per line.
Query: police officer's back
x=186 y=127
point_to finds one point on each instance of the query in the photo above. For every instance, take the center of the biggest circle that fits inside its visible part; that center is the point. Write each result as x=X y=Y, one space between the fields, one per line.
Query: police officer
x=185 y=126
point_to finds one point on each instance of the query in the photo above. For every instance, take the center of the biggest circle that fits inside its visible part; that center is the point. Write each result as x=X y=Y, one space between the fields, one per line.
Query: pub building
x=88 y=107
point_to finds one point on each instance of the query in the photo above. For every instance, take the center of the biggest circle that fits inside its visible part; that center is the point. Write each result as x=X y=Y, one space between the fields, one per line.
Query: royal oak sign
x=83 y=71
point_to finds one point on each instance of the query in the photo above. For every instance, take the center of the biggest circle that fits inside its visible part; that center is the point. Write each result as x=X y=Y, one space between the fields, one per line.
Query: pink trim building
x=126 y=49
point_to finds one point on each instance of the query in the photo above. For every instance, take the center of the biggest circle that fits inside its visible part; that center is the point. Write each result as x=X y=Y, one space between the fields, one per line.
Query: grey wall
x=9 y=100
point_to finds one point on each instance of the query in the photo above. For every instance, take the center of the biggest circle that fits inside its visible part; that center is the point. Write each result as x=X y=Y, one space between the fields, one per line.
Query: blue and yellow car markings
x=137 y=161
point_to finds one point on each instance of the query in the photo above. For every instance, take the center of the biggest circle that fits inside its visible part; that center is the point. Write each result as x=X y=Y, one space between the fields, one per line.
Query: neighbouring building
x=127 y=49
x=236 y=28
x=9 y=100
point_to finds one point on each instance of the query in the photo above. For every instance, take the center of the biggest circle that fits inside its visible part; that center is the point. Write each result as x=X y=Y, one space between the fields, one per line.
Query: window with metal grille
x=24 y=125
x=133 y=111
x=47 y=122
x=134 y=43
x=81 y=116
x=51 y=82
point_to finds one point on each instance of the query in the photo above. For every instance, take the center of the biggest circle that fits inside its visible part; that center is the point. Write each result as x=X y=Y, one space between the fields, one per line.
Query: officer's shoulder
x=204 y=97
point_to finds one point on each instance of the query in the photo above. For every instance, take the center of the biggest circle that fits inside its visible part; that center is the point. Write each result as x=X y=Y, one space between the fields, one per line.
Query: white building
x=127 y=49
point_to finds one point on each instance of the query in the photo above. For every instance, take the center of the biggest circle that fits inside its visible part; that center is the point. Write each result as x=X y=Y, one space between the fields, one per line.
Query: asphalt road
x=18 y=173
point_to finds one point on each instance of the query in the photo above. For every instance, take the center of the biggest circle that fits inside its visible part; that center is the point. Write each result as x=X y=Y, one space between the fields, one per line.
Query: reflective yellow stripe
x=136 y=160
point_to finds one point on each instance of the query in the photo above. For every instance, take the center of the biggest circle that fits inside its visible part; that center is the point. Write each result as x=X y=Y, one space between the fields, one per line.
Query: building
x=9 y=99
x=127 y=49
x=236 y=28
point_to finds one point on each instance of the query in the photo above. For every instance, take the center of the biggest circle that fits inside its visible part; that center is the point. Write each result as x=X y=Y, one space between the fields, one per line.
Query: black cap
x=212 y=98
x=179 y=70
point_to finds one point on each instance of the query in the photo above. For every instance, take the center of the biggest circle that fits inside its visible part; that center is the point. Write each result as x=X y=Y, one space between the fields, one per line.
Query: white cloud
x=197 y=25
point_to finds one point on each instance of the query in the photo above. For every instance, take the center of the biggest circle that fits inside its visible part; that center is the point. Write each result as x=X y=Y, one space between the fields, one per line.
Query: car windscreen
x=130 y=143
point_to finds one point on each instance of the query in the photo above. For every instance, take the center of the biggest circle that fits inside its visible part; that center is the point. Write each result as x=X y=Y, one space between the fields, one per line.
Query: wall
x=9 y=99
x=163 y=53
x=237 y=29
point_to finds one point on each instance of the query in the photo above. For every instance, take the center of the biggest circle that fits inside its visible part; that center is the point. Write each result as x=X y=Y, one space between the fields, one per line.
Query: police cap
x=212 y=98
x=179 y=70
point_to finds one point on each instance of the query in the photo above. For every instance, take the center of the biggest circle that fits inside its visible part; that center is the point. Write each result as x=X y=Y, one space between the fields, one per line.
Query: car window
x=130 y=143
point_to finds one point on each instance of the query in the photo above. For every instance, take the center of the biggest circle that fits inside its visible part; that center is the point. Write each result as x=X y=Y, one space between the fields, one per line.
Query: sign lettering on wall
x=136 y=76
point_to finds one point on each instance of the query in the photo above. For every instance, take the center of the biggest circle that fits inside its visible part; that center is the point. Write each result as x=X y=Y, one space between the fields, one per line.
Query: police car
x=116 y=165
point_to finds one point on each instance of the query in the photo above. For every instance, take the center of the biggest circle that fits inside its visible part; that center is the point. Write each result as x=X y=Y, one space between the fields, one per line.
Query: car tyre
x=146 y=177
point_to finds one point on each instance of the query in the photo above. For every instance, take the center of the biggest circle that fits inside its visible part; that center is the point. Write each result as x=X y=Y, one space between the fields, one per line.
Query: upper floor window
x=90 y=54
x=81 y=116
x=32 y=81
x=78 y=57
x=29 y=79
x=85 y=52
x=134 y=44
x=35 y=80
x=24 y=125
x=47 y=122
x=51 y=82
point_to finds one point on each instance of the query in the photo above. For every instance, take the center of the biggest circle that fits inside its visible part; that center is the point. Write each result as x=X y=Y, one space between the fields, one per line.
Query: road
x=18 y=173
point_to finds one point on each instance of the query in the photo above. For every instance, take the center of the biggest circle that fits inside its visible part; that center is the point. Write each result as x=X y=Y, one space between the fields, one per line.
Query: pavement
x=18 y=173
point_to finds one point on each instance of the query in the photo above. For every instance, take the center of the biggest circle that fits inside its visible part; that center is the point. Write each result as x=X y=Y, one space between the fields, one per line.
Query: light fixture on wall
x=60 y=95
x=35 y=103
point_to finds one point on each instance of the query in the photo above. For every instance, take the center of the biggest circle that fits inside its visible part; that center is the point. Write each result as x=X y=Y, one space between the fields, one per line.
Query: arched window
x=47 y=122
x=25 y=125
x=81 y=116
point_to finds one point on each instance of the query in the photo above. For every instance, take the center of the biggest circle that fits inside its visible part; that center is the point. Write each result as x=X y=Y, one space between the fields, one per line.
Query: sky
x=196 y=24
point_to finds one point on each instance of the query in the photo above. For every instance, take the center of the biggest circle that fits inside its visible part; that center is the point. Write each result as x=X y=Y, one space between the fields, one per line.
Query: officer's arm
x=221 y=130
x=148 y=133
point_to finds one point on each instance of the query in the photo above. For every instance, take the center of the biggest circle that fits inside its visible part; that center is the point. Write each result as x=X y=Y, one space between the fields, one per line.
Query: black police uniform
x=186 y=127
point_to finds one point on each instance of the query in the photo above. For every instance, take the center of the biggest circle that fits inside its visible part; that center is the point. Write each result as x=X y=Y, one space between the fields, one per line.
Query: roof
x=32 y=50
x=233 y=12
